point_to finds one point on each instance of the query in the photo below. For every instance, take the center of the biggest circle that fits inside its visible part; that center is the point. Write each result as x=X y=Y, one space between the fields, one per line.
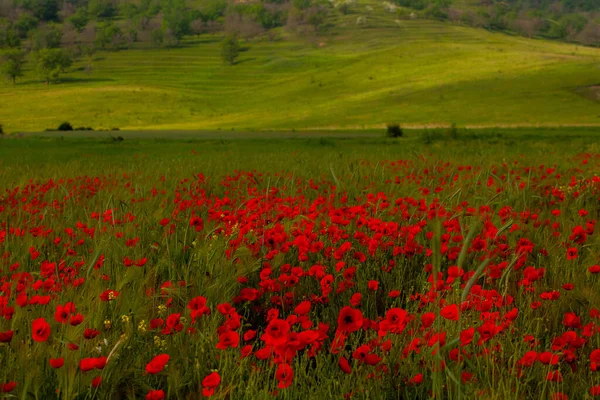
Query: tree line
x=569 y=20
x=56 y=32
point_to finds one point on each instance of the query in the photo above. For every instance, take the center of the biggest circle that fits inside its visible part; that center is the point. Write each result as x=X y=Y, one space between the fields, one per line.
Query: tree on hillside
x=591 y=34
x=47 y=36
x=12 y=64
x=80 y=19
x=176 y=18
x=230 y=49
x=108 y=34
x=9 y=36
x=44 y=10
x=52 y=62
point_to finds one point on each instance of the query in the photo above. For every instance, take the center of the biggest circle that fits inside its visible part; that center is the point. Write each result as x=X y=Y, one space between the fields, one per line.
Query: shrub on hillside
x=65 y=126
x=394 y=131
x=230 y=49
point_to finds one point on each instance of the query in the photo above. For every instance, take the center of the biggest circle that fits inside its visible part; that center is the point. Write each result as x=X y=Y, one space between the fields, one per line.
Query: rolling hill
x=413 y=72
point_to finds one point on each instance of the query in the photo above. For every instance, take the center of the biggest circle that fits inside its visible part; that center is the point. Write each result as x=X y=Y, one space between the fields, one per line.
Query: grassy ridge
x=415 y=72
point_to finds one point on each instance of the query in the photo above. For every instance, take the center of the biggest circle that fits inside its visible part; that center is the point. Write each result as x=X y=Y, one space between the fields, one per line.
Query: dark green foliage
x=102 y=9
x=65 y=126
x=435 y=12
x=46 y=37
x=52 y=62
x=25 y=23
x=230 y=49
x=267 y=16
x=108 y=35
x=176 y=18
x=157 y=36
x=12 y=64
x=9 y=36
x=416 y=4
x=80 y=19
x=114 y=140
x=44 y=10
x=212 y=10
x=394 y=131
x=301 y=4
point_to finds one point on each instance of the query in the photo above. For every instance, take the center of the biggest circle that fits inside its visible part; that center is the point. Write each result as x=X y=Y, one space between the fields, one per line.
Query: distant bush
x=230 y=49
x=394 y=131
x=1 y=130
x=113 y=139
x=83 y=128
x=431 y=135
x=65 y=126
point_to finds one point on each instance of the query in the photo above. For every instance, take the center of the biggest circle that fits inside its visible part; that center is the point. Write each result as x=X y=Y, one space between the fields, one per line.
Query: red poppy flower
x=40 y=330
x=427 y=319
x=109 y=295
x=157 y=364
x=155 y=395
x=349 y=320
x=6 y=337
x=57 y=362
x=87 y=364
x=249 y=335
x=90 y=333
x=303 y=308
x=572 y=253
x=228 y=339
x=276 y=332
x=197 y=223
x=345 y=365
x=76 y=319
x=209 y=383
x=396 y=320
x=450 y=312
x=355 y=299
x=559 y=396
x=96 y=382
x=466 y=336
x=416 y=380
x=8 y=387
x=285 y=375
x=595 y=360
x=62 y=313
x=373 y=285
x=198 y=307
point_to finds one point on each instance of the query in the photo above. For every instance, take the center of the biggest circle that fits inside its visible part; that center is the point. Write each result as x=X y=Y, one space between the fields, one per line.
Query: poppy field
x=337 y=269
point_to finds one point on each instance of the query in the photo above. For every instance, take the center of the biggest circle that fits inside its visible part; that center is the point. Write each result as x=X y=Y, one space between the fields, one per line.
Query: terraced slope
x=413 y=72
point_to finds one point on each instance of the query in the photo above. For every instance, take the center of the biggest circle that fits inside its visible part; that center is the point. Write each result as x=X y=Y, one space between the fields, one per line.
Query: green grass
x=418 y=73
x=55 y=185
x=60 y=153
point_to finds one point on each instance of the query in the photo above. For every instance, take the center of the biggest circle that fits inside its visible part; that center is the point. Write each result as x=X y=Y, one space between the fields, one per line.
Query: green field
x=76 y=212
x=417 y=73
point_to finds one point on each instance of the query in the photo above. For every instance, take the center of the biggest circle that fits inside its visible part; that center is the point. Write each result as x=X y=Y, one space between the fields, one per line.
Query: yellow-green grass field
x=416 y=73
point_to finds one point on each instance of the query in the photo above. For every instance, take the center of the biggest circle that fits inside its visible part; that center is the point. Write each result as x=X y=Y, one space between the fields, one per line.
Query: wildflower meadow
x=441 y=272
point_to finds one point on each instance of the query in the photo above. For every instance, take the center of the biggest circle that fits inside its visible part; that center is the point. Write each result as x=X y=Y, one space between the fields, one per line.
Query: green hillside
x=416 y=73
